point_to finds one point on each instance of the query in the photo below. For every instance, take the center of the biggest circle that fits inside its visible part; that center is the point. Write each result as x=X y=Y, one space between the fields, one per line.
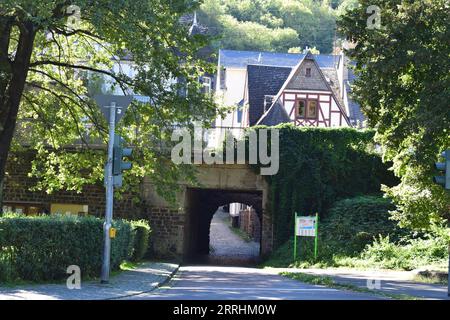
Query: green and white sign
x=306 y=226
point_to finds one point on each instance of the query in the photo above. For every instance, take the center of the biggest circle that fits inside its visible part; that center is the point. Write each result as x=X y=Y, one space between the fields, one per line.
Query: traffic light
x=443 y=167
x=118 y=154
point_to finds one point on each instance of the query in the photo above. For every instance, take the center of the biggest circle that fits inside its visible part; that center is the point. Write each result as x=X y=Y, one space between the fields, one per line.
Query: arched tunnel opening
x=208 y=216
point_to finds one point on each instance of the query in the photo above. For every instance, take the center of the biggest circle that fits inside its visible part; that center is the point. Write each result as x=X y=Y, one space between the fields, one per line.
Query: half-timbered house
x=307 y=97
x=271 y=88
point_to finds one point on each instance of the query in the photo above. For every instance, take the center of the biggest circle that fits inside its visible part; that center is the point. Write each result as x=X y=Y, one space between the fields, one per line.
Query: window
x=268 y=100
x=206 y=81
x=24 y=208
x=239 y=114
x=301 y=108
x=312 y=109
x=223 y=79
x=308 y=72
x=307 y=109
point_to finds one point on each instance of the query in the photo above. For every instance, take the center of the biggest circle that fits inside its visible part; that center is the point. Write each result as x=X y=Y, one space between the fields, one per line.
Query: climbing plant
x=319 y=166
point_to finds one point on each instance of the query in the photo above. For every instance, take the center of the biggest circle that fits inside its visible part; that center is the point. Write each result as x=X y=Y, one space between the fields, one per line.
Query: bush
x=349 y=226
x=41 y=248
x=141 y=231
x=408 y=254
x=410 y=251
x=353 y=223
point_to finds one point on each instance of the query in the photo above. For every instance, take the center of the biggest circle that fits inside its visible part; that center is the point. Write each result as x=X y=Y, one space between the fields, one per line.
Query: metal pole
x=109 y=197
x=295 y=236
x=317 y=236
x=448 y=284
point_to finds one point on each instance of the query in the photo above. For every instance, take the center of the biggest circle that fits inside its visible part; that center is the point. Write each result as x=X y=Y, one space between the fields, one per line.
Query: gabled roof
x=240 y=59
x=196 y=28
x=356 y=116
x=261 y=81
x=275 y=115
x=293 y=76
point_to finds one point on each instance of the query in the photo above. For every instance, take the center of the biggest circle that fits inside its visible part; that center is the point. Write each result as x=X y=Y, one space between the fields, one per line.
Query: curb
x=160 y=284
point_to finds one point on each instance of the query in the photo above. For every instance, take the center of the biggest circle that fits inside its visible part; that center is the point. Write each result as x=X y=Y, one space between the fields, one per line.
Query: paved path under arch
x=225 y=244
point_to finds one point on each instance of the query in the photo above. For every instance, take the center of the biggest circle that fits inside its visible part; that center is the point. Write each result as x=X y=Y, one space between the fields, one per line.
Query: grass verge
x=241 y=234
x=331 y=283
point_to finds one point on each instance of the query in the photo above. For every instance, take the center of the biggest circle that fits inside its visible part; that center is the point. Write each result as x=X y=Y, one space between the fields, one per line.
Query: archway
x=202 y=204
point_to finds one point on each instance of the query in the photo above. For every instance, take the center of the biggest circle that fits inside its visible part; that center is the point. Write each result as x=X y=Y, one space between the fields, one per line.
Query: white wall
x=231 y=95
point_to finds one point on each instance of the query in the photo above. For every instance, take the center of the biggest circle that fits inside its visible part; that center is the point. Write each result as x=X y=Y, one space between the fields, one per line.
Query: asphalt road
x=221 y=283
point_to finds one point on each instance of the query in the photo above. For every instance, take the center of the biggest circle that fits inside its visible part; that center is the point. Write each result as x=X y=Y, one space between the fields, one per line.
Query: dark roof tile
x=263 y=80
x=240 y=59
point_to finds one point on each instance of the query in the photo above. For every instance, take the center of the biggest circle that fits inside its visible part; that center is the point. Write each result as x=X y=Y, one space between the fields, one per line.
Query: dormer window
x=308 y=72
x=268 y=100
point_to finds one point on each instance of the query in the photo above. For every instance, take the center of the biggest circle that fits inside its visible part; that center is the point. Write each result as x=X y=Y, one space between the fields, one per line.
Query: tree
x=47 y=59
x=272 y=25
x=403 y=87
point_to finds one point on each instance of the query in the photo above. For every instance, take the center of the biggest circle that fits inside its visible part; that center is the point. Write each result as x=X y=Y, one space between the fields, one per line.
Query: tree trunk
x=12 y=85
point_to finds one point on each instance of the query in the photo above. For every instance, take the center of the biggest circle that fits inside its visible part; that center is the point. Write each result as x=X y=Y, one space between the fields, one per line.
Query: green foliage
x=353 y=223
x=403 y=87
x=309 y=278
x=66 y=66
x=348 y=227
x=408 y=254
x=141 y=234
x=358 y=233
x=318 y=167
x=41 y=248
x=247 y=34
x=272 y=25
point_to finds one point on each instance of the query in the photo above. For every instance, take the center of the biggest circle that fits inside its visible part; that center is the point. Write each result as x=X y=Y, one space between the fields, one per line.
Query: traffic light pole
x=109 y=197
x=444 y=180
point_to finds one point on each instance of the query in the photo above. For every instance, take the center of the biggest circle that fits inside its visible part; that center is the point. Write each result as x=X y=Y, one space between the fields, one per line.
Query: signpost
x=306 y=226
x=113 y=108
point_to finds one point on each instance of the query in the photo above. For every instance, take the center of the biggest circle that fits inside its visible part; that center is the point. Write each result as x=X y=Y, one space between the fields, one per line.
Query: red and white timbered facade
x=309 y=108
x=308 y=99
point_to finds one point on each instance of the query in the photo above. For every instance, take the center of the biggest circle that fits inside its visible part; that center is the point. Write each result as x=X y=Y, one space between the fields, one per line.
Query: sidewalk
x=393 y=282
x=145 y=278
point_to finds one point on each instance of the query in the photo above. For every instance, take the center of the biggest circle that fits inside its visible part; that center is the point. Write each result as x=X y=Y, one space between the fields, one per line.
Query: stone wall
x=266 y=235
x=17 y=190
x=250 y=223
x=168 y=224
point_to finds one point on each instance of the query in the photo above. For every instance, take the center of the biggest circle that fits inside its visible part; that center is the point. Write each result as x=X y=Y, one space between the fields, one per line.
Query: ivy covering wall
x=319 y=166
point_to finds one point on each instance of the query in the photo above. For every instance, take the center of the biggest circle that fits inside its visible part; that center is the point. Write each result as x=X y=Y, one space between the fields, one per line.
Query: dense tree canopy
x=47 y=64
x=404 y=90
x=273 y=25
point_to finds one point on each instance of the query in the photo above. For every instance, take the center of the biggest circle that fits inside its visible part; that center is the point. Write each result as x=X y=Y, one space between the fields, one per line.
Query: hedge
x=141 y=231
x=41 y=248
x=319 y=166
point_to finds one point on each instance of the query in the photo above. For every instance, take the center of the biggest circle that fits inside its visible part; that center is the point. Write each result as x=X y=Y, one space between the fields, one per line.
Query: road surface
x=219 y=283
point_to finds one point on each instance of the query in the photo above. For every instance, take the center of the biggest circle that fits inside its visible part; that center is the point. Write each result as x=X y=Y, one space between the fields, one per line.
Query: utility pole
x=109 y=196
x=113 y=108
